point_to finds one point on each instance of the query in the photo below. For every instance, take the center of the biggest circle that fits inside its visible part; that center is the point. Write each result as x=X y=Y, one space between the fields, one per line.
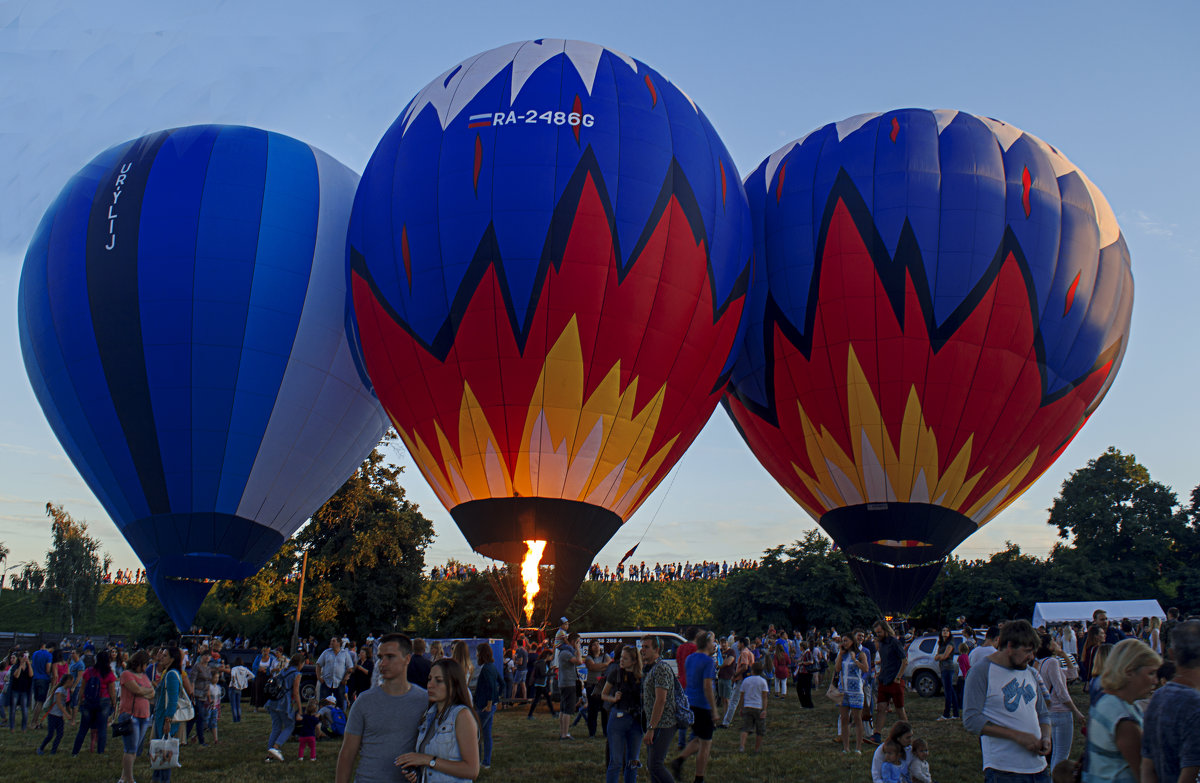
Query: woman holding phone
x=448 y=740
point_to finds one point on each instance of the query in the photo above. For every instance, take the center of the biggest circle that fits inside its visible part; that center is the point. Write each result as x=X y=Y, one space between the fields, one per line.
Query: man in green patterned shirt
x=658 y=704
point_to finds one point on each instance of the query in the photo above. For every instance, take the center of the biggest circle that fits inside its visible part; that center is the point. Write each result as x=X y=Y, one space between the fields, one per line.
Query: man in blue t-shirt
x=701 y=675
x=1171 y=732
x=40 y=660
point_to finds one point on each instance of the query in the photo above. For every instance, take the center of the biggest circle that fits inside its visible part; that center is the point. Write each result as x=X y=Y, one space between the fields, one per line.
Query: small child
x=60 y=710
x=918 y=768
x=212 y=711
x=893 y=756
x=309 y=730
x=754 y=707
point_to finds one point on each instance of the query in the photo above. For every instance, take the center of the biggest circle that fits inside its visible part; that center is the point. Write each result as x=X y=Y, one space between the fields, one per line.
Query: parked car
x=923 y=671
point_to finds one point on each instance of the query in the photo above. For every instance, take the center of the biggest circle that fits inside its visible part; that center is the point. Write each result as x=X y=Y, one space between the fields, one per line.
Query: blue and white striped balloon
x=182 y=317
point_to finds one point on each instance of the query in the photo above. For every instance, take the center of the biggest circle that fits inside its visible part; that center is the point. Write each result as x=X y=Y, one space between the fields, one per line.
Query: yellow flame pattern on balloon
x=593 y=448
x=880 y=470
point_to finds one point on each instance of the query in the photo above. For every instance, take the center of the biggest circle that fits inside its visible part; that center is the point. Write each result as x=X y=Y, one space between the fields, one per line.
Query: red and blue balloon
x=940 y=301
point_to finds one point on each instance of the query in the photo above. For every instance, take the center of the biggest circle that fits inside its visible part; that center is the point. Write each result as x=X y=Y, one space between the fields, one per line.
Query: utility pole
x=299 y=603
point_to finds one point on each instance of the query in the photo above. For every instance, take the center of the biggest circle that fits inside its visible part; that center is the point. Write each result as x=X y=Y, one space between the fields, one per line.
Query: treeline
x=1122 y=535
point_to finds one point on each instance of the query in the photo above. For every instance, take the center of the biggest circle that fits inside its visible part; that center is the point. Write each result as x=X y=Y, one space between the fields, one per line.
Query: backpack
x=337 y=721
x=93 y=693
x=683 y=710
x=277 y=687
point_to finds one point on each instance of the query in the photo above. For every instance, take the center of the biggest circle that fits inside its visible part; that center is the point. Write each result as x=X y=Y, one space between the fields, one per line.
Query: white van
x=611 y=641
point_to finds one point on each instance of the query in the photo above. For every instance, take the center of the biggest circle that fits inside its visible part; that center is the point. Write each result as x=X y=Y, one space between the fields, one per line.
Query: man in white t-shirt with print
x=1003 y=704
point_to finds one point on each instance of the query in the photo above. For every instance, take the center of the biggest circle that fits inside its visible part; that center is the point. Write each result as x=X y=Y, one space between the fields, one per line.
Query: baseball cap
x=563 y=620
x=330 y=700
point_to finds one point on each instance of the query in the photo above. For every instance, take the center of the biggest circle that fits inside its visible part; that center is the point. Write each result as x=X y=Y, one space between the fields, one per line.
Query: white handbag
x=184 y=711
x=164 y=753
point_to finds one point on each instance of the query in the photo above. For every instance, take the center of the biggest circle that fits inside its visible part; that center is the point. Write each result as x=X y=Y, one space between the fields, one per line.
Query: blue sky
x=1111 y=85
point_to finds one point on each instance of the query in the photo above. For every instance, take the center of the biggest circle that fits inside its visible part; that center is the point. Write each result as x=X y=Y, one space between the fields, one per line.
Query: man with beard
x=1003 y=704
x=890 y=683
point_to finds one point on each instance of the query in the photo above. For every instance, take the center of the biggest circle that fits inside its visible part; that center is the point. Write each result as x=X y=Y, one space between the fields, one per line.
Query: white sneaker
x=275 y=754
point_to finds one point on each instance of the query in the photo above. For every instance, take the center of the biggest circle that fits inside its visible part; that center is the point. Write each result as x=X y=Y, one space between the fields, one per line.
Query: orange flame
x=529 y=573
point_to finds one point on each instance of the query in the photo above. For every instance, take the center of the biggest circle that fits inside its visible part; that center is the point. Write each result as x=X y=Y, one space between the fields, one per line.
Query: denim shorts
x=134 y=738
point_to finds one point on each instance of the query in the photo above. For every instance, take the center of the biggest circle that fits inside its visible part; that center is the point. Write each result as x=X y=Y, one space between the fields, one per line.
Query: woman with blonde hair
x=1155 y=639
x=1114 y=737
x=462 y=654
x=435 y=652
x=448 y=739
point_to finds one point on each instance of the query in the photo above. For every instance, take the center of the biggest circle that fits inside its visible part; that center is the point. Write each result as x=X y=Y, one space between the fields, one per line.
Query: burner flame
x=529 y=574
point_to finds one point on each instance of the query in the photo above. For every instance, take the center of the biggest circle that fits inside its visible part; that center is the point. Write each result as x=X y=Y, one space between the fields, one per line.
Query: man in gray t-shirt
x=383 y=721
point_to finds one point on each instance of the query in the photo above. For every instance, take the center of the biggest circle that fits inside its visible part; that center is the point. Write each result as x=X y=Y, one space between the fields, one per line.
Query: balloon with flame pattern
x=548 y=255
x=182 y=316
x=939 y=303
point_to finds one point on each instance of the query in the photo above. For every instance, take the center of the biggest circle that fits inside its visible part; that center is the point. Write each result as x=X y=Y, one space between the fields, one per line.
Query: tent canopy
x=1071 y=611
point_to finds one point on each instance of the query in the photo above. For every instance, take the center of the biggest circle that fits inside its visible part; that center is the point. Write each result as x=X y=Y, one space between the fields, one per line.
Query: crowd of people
x=634 y=572
x=394 y=701
x=667 y=572
x=125 y=576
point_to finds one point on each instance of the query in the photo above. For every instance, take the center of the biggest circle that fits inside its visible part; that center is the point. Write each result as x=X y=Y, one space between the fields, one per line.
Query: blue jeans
x=1062 y=734
x=282 y=725
x=951 y=695
x=54 y=731
x=485 y=734
x=235 y=704
x=624 y=746
x=133 y=740
x=996 y=776
x=93 y=718
x=18 y=701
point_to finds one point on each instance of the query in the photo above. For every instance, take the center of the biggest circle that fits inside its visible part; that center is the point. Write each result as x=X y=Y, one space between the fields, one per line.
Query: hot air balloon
x=182 y=315
x=548 y=252
x=940 y=301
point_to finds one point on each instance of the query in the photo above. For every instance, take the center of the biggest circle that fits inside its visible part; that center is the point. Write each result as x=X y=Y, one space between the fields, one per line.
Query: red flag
x=628 y=555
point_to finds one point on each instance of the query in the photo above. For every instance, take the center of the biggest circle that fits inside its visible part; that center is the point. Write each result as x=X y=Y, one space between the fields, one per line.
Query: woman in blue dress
x=850 y=668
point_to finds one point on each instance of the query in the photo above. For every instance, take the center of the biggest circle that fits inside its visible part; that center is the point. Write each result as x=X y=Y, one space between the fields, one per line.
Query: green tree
x=1122 y=524
x=465 y=607
x=366 y=551
x=794 y=587
x=1186 y=577
x=75 y=568
x=1002 y=587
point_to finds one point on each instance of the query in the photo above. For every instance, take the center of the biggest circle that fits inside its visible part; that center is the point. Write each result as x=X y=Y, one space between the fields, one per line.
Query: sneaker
x=944 y=717
x=275 y=754
x=40 y=752
x=530 y=717
x=858 y=752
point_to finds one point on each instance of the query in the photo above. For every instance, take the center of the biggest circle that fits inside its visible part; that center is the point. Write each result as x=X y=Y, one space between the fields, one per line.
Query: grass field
x=797 y=748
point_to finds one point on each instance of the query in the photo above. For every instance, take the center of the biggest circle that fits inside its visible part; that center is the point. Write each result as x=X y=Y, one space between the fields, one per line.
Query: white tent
x=1072 y=611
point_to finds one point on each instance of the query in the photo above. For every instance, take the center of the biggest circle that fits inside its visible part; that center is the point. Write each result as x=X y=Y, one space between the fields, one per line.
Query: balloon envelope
x=182 y=319
x=548 y=253
x=940 y=301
